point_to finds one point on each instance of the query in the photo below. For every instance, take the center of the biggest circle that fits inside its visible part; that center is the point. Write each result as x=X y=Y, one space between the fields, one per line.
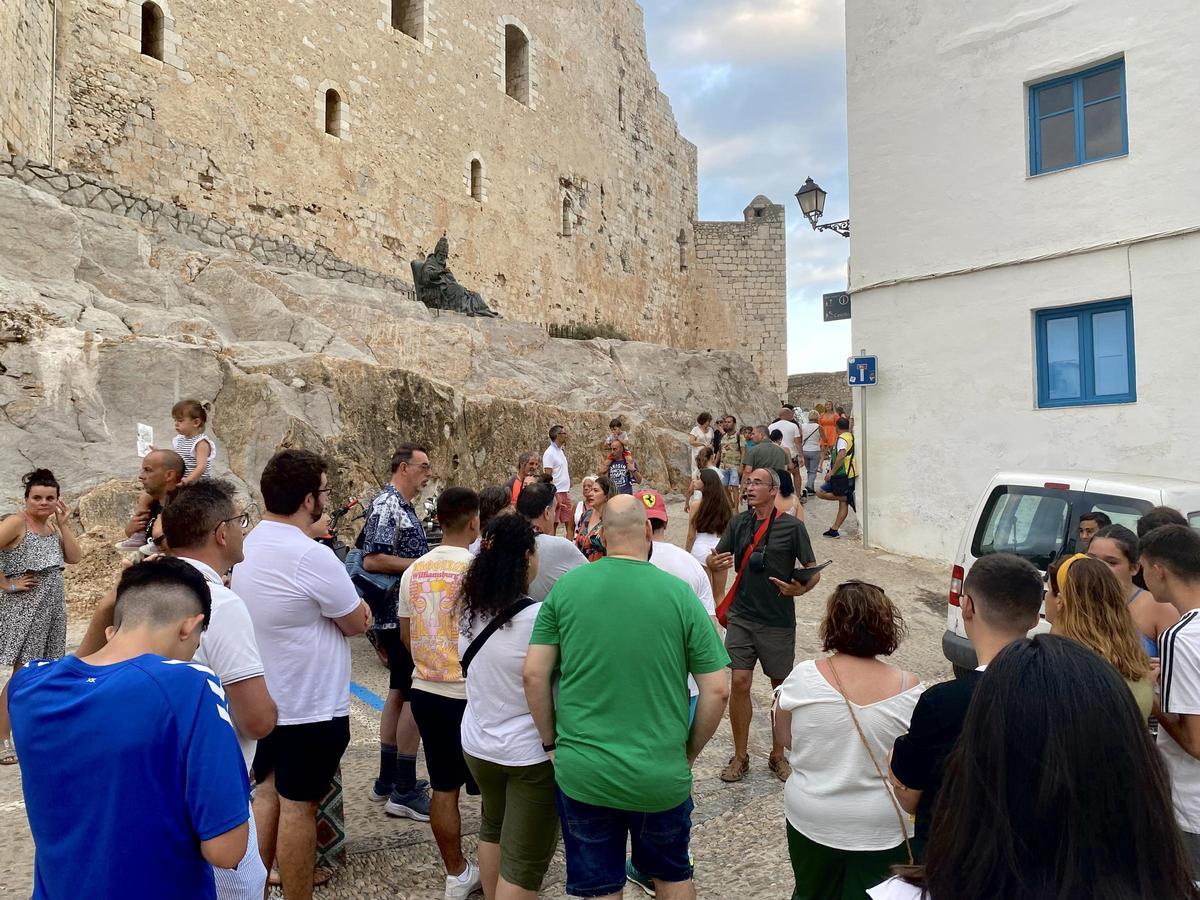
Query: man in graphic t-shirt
x=429 y=617
x=1171 y=567
x=304 y=608
x=156 y=802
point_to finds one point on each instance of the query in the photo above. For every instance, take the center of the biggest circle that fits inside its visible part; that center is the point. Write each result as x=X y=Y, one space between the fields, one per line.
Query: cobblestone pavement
x=738 y=839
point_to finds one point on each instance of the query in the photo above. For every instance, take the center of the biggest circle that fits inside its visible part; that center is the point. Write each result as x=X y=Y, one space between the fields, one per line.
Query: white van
x=1037 y=516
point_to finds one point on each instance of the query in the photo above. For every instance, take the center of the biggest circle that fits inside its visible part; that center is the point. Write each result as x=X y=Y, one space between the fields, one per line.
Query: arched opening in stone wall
x=621 y=106
x=476 y=180
x=516 y=64
x=333 y=113
x=568 y=218
x=152 y=30
x=408 y=16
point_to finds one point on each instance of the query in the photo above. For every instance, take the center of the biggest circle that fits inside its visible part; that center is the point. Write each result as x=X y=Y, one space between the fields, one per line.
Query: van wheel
x=960 y=672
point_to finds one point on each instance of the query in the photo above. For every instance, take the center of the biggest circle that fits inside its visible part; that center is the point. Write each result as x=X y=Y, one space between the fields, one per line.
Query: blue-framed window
x=1078 y=119
x=1085 y=354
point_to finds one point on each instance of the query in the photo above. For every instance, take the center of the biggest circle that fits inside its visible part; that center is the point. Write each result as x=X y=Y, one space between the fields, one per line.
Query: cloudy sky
x=760 y=87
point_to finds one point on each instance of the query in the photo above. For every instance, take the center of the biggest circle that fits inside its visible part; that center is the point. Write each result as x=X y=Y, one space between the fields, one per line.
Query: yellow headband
x=1065 y=567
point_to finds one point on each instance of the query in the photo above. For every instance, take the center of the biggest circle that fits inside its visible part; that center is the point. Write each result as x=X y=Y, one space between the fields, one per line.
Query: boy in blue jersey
x=146 y=737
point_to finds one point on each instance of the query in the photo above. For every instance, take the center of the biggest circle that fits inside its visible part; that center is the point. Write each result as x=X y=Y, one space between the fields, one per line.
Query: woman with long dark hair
x=1119 y=549
x=1054 y=791
x=709 y=518
x=519 y=828
x=35 y=544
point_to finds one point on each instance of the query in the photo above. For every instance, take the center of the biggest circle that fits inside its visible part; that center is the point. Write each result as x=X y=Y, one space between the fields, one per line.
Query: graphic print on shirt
x=433 y=594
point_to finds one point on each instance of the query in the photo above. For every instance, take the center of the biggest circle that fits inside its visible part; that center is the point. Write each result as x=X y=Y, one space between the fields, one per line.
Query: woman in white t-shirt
x=518 y=832
x=1054 y=790
x=810 y=446
x=838 y=718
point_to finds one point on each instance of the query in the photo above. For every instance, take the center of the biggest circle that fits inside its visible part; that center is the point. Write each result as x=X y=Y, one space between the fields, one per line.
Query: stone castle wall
x=747 y=261
x=808 y=389
x=26 y=80
x=533 y=134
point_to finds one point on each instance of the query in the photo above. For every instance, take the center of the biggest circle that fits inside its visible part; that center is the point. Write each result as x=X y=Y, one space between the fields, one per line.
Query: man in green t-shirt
x=765 y=454
x=624 y=635
x=762 y=619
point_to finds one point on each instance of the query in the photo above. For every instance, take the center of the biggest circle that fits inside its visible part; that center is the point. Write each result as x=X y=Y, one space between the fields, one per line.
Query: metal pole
x=860 y=452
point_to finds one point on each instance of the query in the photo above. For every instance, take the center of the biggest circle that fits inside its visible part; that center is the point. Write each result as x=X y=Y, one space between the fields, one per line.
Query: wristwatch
x=550 y=746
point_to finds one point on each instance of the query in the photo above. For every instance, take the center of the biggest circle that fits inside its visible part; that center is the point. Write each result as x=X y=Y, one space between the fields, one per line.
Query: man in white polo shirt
x=554 y=463
x=304 y=608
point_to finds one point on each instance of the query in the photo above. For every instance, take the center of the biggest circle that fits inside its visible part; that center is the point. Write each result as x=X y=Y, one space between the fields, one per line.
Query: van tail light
x=956 y=585
x=1056 y=486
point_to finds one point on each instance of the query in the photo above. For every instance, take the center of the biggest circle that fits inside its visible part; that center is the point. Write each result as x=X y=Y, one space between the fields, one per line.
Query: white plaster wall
x=938 y=133
x=956 y=399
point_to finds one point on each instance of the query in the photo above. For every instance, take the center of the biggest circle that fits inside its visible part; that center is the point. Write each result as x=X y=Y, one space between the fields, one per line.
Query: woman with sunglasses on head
x=1119 y=549
x=838 y=718
x=1063 y=798
x=1087 y=604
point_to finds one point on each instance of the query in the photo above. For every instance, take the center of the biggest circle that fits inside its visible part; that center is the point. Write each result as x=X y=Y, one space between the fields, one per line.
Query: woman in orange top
x=828 y=421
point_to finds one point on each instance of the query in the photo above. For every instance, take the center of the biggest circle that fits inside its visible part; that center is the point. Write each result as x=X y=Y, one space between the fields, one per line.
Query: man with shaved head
x=160 y=476
x=625 y=635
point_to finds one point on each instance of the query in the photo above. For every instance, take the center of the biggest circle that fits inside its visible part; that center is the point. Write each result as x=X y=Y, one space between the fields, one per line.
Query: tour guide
x=762 y=546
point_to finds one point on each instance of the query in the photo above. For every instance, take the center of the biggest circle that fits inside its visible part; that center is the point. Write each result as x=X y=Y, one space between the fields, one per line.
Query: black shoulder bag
x=499 y=621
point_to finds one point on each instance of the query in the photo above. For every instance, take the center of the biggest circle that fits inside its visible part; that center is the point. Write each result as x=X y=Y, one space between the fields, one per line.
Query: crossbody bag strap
x=878 y=770
x=501 y=619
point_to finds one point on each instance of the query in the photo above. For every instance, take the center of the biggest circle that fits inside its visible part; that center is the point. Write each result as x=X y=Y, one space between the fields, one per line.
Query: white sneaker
x=459 y=887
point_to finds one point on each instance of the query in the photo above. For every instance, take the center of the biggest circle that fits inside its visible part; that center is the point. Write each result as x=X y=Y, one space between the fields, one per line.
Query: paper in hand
x=145 y=439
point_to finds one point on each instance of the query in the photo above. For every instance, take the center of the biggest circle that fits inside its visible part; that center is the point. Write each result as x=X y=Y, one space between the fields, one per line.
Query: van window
x=1121 y=512
x=1029 y=522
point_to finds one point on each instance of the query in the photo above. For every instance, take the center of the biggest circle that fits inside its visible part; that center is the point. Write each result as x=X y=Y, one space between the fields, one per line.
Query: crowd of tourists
x=571 y=681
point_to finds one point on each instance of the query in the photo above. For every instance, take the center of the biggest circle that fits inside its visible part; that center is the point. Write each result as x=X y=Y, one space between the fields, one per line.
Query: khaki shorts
x=772 y=645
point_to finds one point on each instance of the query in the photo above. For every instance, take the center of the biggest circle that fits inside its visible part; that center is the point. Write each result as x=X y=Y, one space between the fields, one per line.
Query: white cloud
x=747 y=31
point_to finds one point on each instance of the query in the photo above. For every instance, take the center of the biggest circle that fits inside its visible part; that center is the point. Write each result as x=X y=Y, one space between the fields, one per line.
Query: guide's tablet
x=805 y=575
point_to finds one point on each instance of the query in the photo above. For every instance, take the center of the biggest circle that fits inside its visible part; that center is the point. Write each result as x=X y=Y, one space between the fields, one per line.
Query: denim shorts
x=730 y=478
x=594 y=840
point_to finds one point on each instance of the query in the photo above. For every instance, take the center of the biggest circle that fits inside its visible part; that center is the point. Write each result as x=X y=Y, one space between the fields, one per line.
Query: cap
x=656 y=507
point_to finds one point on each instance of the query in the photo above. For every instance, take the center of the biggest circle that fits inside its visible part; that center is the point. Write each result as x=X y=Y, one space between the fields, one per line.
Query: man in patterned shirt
x=391 y=540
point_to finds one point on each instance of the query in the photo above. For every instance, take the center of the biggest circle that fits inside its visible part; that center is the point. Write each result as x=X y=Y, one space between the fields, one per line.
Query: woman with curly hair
x=838 y=718
x=35 y=544
x=587 y=532
x=1087 y=604
x=518 y=832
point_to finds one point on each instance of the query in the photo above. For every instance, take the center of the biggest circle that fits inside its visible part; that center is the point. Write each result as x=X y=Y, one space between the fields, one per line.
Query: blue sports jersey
x=126 y=768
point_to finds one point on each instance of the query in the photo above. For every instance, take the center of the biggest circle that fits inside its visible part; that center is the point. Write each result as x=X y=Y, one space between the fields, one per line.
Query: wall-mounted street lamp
x=812 y=203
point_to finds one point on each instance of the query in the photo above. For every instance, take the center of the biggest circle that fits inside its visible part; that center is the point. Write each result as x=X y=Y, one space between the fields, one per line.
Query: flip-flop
x=320 y=876
x=8 y=753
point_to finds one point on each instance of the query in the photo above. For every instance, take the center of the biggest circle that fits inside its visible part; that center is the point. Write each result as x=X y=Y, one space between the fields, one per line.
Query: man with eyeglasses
x=763 y=548
x=304 y=608
x=390 y=542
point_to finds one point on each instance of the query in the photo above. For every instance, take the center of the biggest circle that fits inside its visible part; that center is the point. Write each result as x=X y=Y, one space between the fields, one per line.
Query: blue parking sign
x=861 y=371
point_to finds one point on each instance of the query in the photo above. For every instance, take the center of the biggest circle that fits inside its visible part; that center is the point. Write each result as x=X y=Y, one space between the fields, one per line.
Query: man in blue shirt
x=146 y=738
x=391 y=540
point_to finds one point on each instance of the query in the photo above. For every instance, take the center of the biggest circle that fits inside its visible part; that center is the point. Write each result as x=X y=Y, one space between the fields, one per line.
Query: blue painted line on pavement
x=367 y=696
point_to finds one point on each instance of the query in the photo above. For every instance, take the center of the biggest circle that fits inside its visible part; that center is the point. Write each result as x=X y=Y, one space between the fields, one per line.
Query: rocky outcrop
x=106 y=322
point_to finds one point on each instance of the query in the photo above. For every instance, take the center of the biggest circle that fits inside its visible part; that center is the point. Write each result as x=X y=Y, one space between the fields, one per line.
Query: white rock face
x=105 y=323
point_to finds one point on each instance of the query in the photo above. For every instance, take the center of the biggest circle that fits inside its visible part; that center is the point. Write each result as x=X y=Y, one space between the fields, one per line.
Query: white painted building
x=1025 y=206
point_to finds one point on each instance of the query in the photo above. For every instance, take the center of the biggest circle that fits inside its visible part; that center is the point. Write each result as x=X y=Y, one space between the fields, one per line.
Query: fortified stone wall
x=747 y=262
x=810 y=388
x=533 y=134
x=26 y=82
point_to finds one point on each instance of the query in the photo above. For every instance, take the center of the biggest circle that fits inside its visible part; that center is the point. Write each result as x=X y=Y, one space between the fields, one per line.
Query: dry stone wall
x=808 y=389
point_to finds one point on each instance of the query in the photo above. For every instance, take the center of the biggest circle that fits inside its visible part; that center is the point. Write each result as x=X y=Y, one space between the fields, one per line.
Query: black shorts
x=439 y=720
x=303 y=758
x=400 y=661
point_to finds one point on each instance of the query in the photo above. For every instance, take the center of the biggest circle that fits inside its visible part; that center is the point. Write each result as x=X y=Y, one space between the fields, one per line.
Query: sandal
x=8 y=753
x=735 y=769
x=320 y=876
x=779 y=767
